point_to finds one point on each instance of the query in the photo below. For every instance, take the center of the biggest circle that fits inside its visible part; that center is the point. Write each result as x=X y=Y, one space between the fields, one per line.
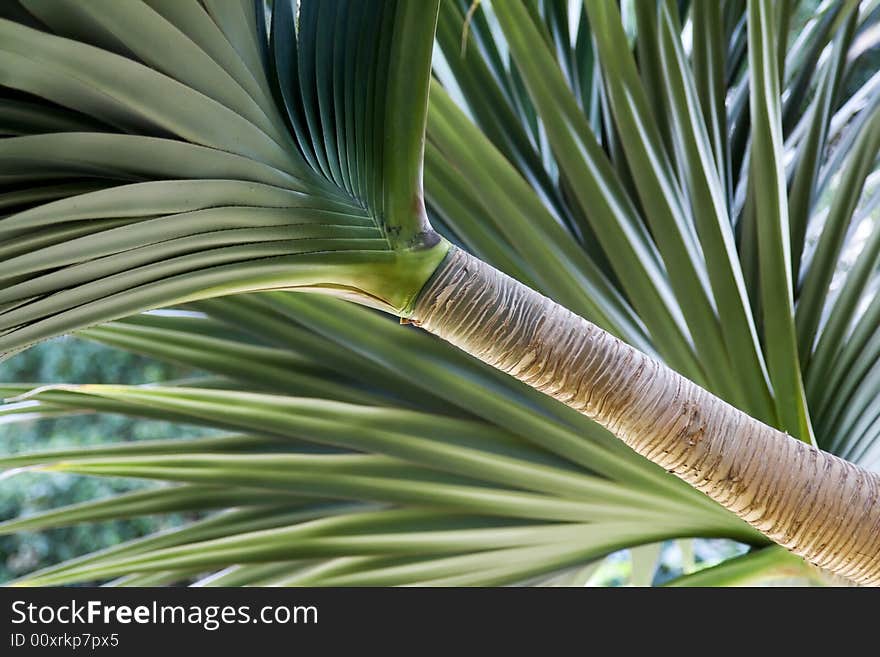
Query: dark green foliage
x=72 y=360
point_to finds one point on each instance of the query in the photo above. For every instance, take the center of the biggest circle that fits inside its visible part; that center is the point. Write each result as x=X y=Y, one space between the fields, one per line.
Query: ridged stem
x=813 y=503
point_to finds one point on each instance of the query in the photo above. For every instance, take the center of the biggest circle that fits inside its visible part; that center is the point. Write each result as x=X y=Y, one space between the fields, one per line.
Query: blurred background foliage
x=73 y=360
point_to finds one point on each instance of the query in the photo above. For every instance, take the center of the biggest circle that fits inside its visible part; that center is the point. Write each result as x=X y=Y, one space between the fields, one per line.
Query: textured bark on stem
x=815 y=504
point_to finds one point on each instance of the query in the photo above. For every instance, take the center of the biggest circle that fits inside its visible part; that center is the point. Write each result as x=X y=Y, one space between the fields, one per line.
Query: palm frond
x=184 y=132
x=709 y=199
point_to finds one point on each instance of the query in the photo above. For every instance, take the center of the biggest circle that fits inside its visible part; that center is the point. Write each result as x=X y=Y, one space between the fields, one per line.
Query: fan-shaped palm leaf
x=239 y=159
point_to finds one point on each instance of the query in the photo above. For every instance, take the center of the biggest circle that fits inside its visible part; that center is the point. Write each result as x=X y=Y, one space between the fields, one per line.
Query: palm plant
x=676 y=173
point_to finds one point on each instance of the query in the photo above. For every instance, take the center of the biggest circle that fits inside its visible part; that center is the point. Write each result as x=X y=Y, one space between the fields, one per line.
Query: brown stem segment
x=815 y=504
